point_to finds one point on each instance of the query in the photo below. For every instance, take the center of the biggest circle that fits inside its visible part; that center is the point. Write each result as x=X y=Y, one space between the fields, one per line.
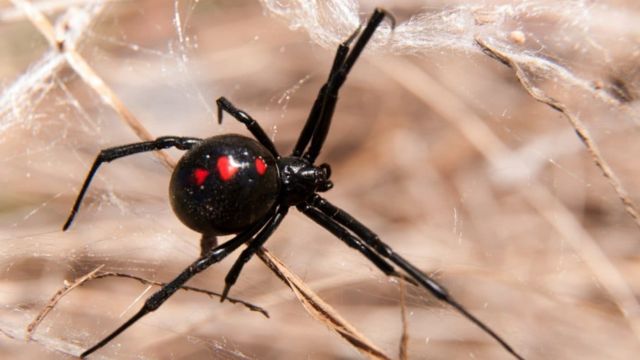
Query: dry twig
x=454 y=110
x=56 y=298
x=248 y=305
x=404 y=338
x=320 y=310
x=97 y=274
x=580 y=129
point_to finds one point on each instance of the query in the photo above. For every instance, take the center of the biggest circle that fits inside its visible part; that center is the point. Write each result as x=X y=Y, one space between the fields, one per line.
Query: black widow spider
x=231 y=184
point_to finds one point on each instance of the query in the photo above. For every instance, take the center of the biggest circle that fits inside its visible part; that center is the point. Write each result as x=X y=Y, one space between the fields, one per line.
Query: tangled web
x=493 y=144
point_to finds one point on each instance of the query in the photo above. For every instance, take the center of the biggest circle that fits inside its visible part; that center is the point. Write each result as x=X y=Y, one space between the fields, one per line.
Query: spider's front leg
x=336 y=219
x=343 y=234
x=252 y=125
x=319 y=121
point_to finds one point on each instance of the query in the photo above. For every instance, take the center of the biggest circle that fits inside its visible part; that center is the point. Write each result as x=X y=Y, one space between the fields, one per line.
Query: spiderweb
x=492 y=144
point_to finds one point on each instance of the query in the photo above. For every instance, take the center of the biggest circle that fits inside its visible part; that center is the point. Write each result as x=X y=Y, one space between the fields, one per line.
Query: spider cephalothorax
x=300 y=179
x=231 y=184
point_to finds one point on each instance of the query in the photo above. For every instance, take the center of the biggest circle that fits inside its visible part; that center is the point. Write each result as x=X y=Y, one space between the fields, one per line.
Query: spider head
x=300 y=179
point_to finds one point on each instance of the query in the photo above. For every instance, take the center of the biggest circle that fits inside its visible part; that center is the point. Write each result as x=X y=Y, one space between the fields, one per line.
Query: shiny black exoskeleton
x=224 y=184
x=231 y=184
x=299 y=179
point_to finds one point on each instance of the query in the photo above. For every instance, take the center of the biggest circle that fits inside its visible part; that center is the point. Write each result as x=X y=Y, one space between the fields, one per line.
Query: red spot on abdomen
x=261 y=166
x=225 y=168
x=200 y=175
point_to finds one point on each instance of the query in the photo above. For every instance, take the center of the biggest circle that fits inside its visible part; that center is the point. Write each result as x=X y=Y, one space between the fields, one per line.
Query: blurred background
x=434 y=145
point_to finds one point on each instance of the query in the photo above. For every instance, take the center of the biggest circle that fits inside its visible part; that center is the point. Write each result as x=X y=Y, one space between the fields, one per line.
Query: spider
x=232 y=184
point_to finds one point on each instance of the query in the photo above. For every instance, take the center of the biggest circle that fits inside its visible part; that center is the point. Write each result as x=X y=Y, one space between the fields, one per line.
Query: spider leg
x=336 y=80
x=158 y=298
x=314 y=115
x=251 y=124
x=110 y=154
x=370 y=238
x=207 y=242
x=341 y=233
x=253 y=246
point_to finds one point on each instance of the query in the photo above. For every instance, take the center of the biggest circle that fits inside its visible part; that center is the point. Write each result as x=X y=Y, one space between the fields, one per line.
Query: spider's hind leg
x=207 y=243
x=159 y=297
x=110 y=154
x=319 y=120
x=251 y=249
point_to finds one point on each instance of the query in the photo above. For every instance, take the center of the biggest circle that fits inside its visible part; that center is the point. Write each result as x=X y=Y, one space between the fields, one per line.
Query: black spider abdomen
x=224 y=184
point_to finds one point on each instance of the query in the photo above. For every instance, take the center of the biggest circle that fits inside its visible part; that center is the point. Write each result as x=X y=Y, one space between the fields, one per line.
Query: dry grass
x=446 y=155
